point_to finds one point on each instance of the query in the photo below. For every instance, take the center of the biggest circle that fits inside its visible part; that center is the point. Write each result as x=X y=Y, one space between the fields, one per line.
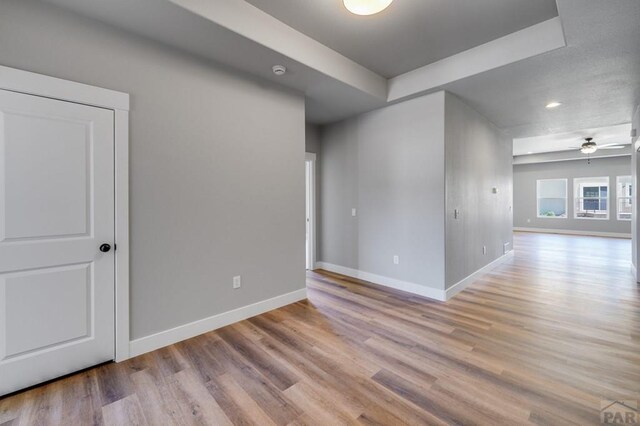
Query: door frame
x=310 y=188
x=30 y=83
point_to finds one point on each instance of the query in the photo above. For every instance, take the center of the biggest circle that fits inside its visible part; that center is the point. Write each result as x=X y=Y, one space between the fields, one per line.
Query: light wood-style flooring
x=542 y=339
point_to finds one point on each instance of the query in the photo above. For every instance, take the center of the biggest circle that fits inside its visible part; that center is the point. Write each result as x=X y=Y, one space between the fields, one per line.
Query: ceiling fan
x=589 y=147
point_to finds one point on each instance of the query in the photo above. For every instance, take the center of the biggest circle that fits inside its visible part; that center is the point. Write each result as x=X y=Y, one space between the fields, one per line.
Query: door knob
x=105 y=248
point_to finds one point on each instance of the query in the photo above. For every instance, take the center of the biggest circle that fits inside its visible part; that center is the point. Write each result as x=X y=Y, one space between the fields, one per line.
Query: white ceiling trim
x=535 y=40
x=550 y=157
x=250 y=22
x=618 y=134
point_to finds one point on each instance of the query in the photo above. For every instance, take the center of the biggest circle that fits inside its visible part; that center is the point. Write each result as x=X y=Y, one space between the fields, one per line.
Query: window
x=552 y=198
x=591 y=198
x=624 y=194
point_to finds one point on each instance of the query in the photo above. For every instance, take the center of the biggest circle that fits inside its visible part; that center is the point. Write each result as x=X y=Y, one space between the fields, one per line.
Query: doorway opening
x=310 y=210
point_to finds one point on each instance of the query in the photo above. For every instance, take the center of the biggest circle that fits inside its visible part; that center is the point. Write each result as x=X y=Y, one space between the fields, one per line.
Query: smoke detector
x=279 y=69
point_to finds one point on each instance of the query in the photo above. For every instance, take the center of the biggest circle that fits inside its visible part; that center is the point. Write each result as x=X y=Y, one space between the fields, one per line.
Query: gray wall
x=312 y=144
x=478 y=158
x=312 y=138
x=635 y=165
x=525 y=177
x=389 y=165
x=217 y=170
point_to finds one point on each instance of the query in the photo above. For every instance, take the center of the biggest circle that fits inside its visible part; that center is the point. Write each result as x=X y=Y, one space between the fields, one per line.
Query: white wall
x=389 y=165
x=217 y=165
x=478 y=159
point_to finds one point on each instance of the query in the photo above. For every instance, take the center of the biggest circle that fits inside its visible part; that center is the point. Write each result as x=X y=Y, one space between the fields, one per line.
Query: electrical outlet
x=484 y=249
x=237 y=282
x=528 y=220
x=456 y=213
x=354 y=212
x=396 y=260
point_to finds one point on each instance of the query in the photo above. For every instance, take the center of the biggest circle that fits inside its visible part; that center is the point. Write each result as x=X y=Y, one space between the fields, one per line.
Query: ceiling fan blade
x=611 y=147
x=610 y=144
x=575 y=147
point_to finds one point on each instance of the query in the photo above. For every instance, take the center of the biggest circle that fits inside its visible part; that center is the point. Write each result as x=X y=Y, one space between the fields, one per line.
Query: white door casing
x=56 y=208
x=310 y=209
x=20 y=81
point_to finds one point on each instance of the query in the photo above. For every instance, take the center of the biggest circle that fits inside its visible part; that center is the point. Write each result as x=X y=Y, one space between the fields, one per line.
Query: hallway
x=542 y=339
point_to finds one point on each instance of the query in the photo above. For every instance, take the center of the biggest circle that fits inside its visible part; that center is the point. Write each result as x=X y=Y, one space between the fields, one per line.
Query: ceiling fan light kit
x=589 y=147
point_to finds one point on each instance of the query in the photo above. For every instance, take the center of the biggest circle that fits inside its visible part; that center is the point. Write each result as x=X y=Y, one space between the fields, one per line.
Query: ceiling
x=409 y=33
x=596 y=76
x=619 y=134
x=328 y=99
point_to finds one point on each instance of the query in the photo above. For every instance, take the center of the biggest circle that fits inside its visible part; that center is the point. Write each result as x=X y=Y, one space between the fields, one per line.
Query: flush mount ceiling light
x=552 y=105
x=366 y=7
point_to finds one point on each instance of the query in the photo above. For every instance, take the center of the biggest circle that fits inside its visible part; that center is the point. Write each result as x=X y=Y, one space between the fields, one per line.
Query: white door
x=310 y=184
x=307 y=168
x=56 y=210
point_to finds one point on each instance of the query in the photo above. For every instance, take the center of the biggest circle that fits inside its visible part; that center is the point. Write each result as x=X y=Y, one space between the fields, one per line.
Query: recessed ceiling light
x=553 y=105
x=530 y=152
x=366 y=7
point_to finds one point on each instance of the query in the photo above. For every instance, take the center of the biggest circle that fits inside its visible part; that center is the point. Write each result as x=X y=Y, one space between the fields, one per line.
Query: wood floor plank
x=158 y=404
x=237 y=403
x=194 y=400
x=113 y=382
x=125 y=411
x=271 y=368
x=262 y=391
x=320 y=408
x=81 y=399
x=541 y=339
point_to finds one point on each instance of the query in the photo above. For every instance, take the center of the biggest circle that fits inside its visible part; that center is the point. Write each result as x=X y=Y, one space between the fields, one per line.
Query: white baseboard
x=572 y=232
x=428 y=292
x=186 y=331
x=464 y=283
x=409 y=287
